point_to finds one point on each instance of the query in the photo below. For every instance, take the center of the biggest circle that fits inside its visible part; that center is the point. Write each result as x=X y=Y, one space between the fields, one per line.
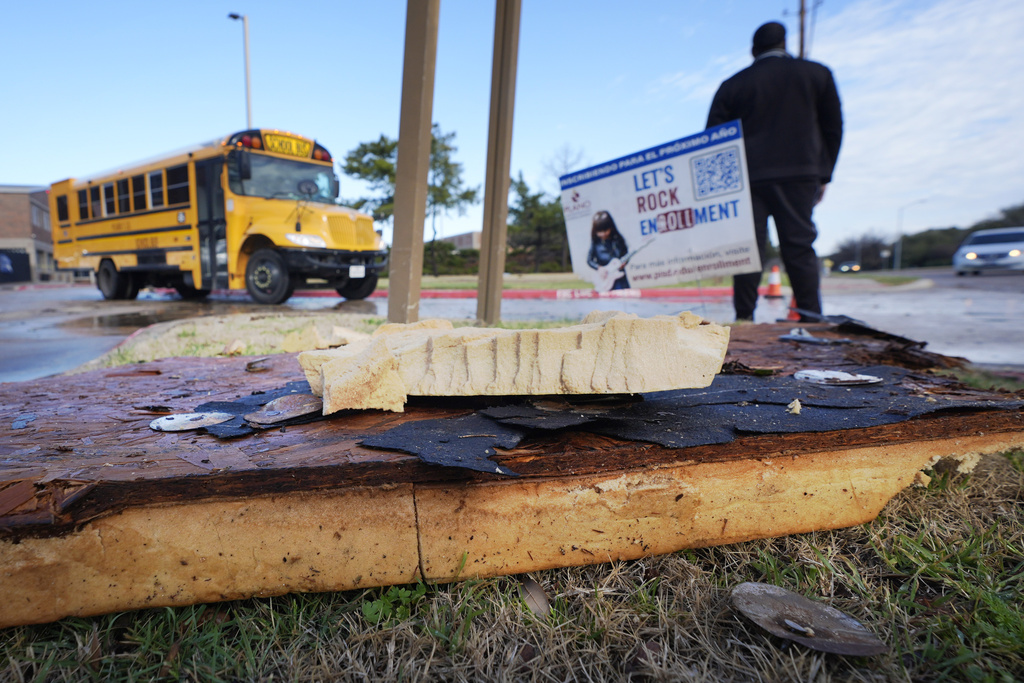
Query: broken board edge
x=208 y=551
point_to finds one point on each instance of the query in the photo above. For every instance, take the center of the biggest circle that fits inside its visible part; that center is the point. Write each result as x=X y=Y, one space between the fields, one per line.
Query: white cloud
x=933 y=108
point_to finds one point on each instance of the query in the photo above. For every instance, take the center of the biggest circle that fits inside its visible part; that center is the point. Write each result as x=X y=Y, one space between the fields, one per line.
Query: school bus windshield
x=275 y=178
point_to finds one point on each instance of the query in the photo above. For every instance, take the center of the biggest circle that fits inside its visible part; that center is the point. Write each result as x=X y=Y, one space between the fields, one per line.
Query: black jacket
x=792 y=121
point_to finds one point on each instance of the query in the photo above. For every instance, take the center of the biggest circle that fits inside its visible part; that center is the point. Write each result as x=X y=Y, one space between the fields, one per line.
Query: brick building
x=467 y=240
x=26 y=248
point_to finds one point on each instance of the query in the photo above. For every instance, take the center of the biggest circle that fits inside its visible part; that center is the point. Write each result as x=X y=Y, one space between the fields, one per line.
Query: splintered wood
x=608 y=353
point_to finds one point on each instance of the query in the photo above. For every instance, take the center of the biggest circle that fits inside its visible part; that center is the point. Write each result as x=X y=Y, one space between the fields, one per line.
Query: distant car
x=849 y=267
x=998 y=249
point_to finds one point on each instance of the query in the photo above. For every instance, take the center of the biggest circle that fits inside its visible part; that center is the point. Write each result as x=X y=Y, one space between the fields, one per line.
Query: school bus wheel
x=359 y=289
x=188 y=293
x=114 y=284
x=267 y=279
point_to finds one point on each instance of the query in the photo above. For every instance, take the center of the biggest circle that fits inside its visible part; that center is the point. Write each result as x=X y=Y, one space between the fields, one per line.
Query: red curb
x=550 y=294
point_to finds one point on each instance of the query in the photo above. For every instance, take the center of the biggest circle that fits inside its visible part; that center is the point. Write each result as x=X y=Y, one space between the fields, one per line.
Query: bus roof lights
x=251 y=141
x=321 y=154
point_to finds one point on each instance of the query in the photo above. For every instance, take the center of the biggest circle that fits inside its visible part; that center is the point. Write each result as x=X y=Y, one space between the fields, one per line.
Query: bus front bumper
x=330 y=264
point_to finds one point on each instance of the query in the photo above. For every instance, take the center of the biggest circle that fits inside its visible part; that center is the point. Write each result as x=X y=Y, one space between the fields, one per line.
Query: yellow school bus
x=255 y=210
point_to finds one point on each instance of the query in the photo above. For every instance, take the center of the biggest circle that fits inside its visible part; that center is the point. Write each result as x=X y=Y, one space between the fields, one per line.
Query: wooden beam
x=413 y=163
x=499 y=153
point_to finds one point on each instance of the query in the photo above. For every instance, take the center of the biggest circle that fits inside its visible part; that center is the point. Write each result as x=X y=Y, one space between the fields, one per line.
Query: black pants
x=790 y=203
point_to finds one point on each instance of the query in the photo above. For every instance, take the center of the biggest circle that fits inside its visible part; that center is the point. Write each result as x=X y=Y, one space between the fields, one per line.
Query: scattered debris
x=799 y=334
x=466 y=442
x=154 y=409
x=835 y=378
x=184 y=422
x=235 y=348
x=794 y=407
x=23 y=421
x=286 y=408
x=535 y=597
x=257 y=365
x=814 y=624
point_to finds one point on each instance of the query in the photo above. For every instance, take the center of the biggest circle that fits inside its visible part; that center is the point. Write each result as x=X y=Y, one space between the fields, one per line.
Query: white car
x=997 y=249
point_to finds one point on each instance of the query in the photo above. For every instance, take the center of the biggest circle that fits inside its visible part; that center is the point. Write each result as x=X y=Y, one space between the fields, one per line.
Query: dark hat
x=769 y=35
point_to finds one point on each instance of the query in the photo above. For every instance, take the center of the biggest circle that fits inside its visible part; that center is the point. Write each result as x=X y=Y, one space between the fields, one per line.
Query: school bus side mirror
x=244 y=165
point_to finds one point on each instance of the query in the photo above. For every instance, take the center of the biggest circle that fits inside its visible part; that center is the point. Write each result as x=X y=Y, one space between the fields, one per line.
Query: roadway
x=46 y=330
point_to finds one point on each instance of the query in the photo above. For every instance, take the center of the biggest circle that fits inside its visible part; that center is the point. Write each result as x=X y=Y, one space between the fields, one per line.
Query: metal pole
x=897 y=256
x=248 y=82
x=499 y=158
x=803 y=15
x=413 y=165
x=897 y=252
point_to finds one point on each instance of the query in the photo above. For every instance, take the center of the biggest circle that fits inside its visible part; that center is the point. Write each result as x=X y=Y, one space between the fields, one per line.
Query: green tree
x=1009 y=217
x=867 y=250
x=375 y=163
x=933 y=247
x=536 y=228
x=445 y=190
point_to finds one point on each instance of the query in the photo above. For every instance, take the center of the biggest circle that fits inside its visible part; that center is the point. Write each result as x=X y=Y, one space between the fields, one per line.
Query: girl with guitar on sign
x=607 y=253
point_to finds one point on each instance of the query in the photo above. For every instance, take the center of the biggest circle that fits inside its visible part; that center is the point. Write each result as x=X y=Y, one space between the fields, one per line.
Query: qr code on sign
x=717 y=173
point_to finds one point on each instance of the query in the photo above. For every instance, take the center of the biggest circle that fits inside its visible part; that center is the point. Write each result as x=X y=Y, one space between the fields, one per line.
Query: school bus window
x=270 y=177
x=156 y=188
x=83 y=205
x=123 y=198
x=177 y=185
x=139 y=192
x=62 y=208
x=94 y=202
x=108 y=199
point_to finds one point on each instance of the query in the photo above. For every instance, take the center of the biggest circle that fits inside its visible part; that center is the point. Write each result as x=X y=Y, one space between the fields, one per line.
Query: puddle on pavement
x=125 y=323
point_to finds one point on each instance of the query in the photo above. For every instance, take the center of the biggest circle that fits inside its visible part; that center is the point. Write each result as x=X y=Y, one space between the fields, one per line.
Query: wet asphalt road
x=48 y=330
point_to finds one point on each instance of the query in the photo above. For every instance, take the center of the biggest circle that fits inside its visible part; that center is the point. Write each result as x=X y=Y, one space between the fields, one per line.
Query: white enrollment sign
x=677 y=212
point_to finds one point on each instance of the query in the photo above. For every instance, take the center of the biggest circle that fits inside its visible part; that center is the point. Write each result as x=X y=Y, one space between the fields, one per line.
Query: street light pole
x=248 y=84
x=897 y=256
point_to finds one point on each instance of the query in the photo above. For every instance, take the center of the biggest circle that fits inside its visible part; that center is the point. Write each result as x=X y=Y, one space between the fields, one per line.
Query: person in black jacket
x=792 y=128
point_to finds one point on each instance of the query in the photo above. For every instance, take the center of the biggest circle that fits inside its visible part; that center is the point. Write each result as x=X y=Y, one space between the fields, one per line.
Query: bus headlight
x=310 y=241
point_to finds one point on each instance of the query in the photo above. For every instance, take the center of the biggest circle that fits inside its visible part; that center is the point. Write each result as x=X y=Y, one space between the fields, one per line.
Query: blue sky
x=932 y=89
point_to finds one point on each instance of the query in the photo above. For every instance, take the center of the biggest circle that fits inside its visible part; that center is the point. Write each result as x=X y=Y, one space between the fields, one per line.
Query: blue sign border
x=731 y=130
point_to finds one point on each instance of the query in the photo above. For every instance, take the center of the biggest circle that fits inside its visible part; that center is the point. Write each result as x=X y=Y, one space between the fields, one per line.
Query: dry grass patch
x=938 y=577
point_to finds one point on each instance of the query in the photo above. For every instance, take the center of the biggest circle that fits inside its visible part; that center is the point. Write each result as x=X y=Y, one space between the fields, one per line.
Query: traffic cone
x=793 y=315
x=774 y=284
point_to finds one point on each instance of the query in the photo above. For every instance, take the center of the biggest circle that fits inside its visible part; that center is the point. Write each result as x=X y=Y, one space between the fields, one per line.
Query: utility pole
x=803 y=21
x=897 y=258
x=248 y=91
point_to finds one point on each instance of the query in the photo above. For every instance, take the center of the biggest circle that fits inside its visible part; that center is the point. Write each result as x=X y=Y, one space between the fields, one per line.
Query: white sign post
x=677 y=212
